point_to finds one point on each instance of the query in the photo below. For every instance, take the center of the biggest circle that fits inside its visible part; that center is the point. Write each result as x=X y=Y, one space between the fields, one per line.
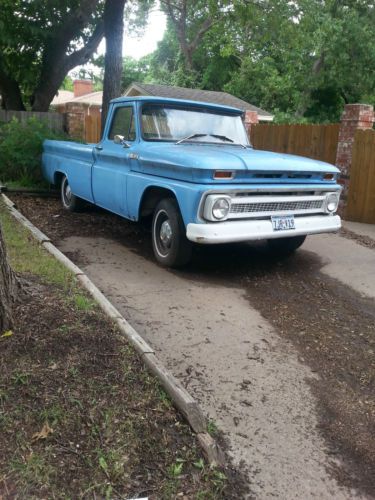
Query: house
x=82 y=107
x=197 y=95
x=82 y=98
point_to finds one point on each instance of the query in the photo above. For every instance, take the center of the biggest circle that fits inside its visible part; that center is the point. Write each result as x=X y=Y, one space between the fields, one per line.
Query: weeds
x=212 y=428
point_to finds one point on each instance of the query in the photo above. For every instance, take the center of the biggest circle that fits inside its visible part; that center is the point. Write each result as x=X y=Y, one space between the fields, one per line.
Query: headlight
x=332 y=202
x=216 y=207
x=220 y=208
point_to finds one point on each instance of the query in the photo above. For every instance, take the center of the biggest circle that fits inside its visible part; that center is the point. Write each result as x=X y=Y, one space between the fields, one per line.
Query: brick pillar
x=250 y=118
x=75 y=121
x=354 y=117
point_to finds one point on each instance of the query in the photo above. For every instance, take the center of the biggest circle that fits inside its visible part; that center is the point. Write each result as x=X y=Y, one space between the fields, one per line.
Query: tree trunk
x=8 y=289
x=177 y=12
x=10 y=91
x=113 y=32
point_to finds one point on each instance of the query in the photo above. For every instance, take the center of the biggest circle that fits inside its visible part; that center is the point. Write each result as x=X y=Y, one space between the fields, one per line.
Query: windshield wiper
x=221 y=137
x=225 y=138
x=193 y=136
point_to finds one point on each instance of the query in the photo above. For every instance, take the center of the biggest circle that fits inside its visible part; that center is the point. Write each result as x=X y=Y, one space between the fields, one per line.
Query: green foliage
x=133 y=71
x=67 y=84
x=21 y=149
x=300 y=60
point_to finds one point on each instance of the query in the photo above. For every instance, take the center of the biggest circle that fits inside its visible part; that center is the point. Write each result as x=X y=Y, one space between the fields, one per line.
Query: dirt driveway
x=280 y=353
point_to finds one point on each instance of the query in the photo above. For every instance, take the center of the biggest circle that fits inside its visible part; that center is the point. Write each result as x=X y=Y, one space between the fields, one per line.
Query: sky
x=134 y=46
x=139 y=47
x=147 y=43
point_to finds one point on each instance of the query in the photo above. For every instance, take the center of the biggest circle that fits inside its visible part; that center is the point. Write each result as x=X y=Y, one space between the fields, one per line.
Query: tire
x=169 y=242
x=68 y=199
x=285 y=246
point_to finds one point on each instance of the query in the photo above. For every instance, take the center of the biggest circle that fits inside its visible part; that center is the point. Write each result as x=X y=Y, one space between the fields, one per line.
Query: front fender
x=187 y=195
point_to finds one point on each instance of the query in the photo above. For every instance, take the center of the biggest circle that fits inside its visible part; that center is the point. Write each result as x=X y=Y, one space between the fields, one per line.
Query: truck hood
x=197 y=162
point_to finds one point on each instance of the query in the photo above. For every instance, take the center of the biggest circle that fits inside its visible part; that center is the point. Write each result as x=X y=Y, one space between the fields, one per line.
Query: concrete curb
x=180 y=397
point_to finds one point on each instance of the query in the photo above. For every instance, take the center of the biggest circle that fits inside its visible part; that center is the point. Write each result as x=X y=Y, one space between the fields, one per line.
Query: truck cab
x=190 y=166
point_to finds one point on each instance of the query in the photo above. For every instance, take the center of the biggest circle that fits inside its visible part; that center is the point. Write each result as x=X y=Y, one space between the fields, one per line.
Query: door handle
x=99 y=148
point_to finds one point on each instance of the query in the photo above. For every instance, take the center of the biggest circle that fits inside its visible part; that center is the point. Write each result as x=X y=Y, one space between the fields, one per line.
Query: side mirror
x=120 y=139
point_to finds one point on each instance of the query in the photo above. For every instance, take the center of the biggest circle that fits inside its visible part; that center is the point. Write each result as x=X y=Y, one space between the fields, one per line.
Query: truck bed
x=72 y=159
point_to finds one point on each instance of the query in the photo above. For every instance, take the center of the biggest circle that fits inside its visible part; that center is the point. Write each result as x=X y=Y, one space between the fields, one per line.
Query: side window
x=123 y=124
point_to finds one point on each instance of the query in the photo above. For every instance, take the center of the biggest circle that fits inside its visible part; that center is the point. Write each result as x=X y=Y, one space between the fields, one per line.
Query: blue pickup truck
x=190 y=167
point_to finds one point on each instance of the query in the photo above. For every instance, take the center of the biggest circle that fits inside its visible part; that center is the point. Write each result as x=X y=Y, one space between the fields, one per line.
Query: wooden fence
x=54 y=121
x=314 y=141
x=92 y=128
x=361 y=195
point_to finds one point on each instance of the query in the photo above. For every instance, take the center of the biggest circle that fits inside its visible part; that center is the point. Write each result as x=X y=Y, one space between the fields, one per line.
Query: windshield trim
x=199 y=108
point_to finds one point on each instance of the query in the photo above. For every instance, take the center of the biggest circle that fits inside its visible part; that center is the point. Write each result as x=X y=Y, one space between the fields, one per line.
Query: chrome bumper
x=246 y=230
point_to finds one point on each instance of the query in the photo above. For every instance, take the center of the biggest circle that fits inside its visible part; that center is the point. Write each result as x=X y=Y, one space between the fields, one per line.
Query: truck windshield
x=165 y=123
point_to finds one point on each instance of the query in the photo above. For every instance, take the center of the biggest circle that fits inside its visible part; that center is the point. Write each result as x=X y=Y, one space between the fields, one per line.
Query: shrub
x=21 y=146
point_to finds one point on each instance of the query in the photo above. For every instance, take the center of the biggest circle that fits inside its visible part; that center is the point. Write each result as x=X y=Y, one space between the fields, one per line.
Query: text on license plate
x=283 y=223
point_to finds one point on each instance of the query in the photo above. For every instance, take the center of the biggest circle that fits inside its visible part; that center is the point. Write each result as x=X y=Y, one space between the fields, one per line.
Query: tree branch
x=82 y=55
x=56 y=62
x=206 y=25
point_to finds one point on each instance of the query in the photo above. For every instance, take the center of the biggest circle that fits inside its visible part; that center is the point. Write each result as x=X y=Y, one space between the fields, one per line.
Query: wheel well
x=151 y=198
x=58 y=177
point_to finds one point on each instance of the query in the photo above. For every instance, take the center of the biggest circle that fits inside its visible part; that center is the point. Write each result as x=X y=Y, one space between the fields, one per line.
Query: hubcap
x=166 y=233
x=68 y=193
x=162 y=234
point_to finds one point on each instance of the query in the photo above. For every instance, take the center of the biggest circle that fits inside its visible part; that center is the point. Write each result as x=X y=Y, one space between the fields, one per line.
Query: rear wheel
x=285 y=246
x=169 y=242
x=68 y=199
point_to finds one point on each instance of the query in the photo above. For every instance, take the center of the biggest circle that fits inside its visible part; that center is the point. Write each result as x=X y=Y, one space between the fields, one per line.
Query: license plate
x=283 y=223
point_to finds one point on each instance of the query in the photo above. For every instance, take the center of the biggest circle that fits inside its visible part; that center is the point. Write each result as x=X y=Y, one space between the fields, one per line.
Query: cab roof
x=183 y=102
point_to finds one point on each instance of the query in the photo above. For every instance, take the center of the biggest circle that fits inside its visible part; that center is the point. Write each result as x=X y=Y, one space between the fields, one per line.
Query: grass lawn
x=80 y=416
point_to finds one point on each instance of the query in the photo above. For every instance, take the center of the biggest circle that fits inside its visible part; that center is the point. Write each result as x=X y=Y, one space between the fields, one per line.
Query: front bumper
x=246 y=230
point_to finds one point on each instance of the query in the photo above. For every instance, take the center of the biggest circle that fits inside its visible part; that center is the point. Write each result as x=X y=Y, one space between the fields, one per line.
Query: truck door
x=112 y=161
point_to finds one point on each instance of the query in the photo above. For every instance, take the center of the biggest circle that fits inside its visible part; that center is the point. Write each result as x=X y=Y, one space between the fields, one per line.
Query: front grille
x=279 y=206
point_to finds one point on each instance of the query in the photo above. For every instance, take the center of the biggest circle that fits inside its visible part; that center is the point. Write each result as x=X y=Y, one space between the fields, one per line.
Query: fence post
x=250 y=118
x=354 y=117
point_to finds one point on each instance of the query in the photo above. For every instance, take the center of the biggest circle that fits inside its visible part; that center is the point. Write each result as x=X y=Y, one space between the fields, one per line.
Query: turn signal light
x=328 y=177
x=223 y=174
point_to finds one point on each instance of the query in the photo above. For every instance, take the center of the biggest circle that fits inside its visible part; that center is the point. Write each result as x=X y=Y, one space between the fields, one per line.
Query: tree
x=40 y=42
x=300 y=60
x=304 y=59
x=8 y=289
x=113 y=32
x=191 y=20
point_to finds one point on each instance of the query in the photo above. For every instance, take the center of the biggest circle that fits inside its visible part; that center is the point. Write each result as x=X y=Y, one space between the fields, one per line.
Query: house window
x=123 y=124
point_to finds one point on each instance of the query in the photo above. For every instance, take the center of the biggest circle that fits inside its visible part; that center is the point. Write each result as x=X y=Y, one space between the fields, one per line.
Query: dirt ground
x=321 y=324
x=80 y=416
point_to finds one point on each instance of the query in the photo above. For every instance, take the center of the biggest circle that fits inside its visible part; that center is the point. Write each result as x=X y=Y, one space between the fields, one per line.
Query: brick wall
x=75 y=120
x=354 y=117
x=250 y=118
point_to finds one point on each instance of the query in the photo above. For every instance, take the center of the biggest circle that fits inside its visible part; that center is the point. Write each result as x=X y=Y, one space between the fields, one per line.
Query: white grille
x=279 y=206
x=267 y=205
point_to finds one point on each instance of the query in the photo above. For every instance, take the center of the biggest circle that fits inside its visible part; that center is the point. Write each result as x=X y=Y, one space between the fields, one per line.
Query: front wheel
x=169 y=242
x=285 y=246
x=68 y=199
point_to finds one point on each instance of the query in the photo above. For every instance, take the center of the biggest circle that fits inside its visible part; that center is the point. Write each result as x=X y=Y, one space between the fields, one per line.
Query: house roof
x=222 y=98
x=93 y=98
x=169 y=100
x=65 y=97
x=61 y=97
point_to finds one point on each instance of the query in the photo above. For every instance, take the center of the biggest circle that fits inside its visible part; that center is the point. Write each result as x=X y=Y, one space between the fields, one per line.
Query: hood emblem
x=133 y=156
